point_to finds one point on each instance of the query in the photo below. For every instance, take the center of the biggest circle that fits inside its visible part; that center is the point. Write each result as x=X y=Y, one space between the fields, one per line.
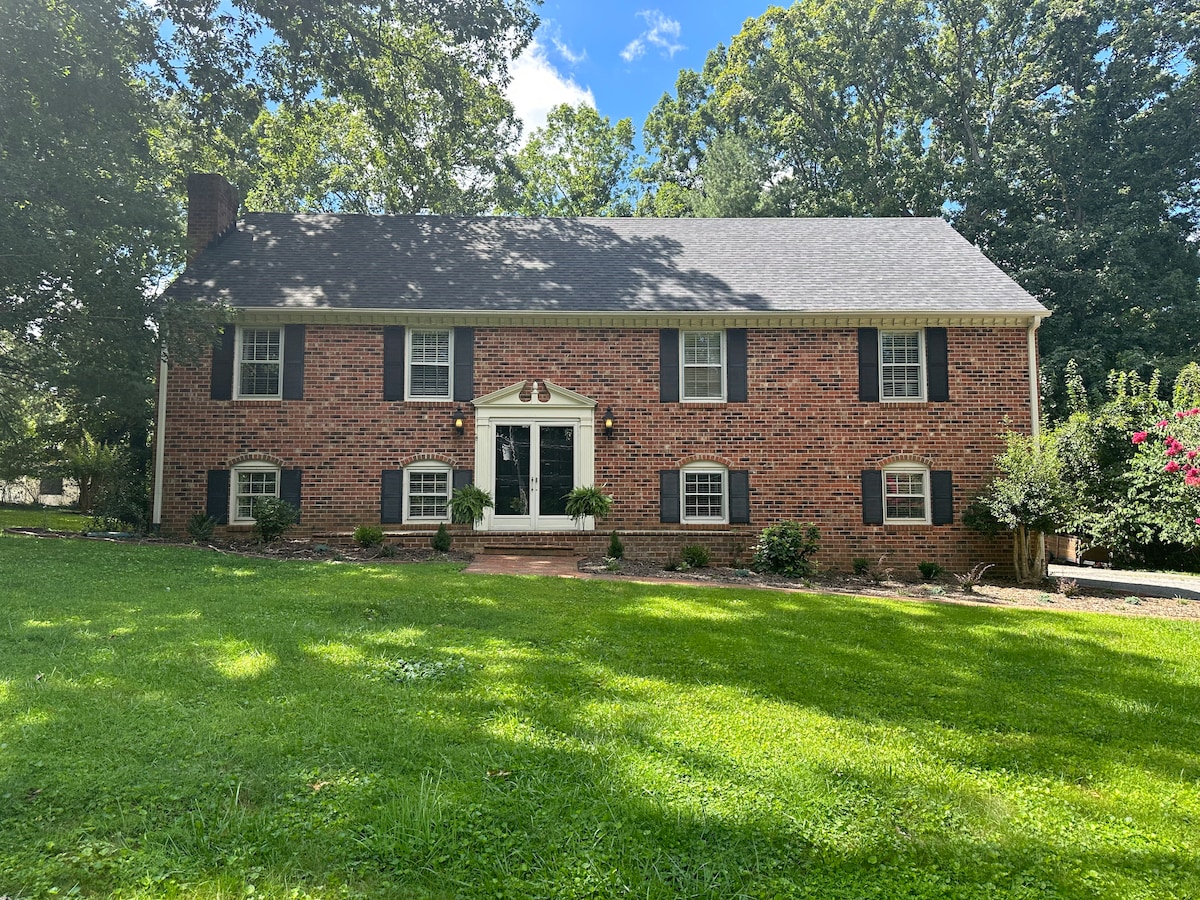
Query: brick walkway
x=516 y=564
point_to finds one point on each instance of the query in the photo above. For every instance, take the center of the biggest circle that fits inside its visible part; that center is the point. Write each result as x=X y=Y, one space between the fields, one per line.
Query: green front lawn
x=175 y=722
x=42 y=517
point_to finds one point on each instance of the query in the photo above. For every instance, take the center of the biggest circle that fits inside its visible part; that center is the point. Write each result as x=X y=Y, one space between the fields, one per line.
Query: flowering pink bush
x=1173 y=446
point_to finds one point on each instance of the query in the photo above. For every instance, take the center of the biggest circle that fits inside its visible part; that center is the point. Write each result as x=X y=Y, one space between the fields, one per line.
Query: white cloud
x=567 y=53
x=537 y=87
x=662 y=33
x=633 y=50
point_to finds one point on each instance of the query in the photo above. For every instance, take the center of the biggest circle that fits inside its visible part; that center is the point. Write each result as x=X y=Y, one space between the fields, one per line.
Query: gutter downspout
x=160 y=441
x=1035 y=393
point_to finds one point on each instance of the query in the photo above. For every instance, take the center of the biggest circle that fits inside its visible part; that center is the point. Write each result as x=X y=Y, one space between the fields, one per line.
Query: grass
x=179 y=723
x=42 y=517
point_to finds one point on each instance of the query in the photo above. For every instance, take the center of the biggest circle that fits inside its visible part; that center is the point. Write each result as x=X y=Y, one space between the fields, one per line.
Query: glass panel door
x=556 y=468
x=512 y=470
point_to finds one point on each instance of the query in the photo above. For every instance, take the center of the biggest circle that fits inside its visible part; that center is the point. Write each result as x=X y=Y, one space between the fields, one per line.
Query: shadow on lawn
x=534 y=754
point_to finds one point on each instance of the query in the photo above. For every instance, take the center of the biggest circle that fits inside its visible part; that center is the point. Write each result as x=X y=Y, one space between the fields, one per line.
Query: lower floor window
x=704 y=495
x=426 y=492
x=252 y=483
x=905 y=495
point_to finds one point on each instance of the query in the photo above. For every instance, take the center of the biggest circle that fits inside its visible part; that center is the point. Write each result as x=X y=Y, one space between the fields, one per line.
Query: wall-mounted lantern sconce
x=608 y=422
x=460 y=423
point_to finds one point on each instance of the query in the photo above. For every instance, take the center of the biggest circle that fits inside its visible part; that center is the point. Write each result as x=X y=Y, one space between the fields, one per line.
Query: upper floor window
x=906 y=494
x=702 y=358
x=260 y=362
x=704 y=493
x=427 y=492
x=901 y=365
x=252 y=481
x=429 y=364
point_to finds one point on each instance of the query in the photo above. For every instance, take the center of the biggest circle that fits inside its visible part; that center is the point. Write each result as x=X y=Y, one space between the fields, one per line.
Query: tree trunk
x=1029 y=555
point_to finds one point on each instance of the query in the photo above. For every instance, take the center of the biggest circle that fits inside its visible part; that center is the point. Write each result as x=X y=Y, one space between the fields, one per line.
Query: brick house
x=715 y=376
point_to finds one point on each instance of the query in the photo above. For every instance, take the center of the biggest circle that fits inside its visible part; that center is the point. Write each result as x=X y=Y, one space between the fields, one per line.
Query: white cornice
x=733 y=319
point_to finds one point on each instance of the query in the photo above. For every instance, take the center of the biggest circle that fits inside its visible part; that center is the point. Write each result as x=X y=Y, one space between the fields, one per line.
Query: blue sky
x=619 y=56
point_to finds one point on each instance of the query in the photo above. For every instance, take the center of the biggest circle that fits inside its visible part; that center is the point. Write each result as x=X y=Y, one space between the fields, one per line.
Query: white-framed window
x=702 y=365
x=427 y=492
x=906 y=494
x=251 y=481
x=704 y=493
x=902 y=365
x=430 y=358
x=259 y=355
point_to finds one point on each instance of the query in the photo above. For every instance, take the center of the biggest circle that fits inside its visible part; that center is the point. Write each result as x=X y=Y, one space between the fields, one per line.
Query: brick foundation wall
x=803 y=436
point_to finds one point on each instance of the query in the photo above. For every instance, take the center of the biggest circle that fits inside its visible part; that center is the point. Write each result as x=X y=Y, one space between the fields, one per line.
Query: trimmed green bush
x=929 y=570
x=368 y=535
x=441 y=539
x=272 y=518
x=695 y=555
x=786 y=549
x=616 y=549
x=200 y=527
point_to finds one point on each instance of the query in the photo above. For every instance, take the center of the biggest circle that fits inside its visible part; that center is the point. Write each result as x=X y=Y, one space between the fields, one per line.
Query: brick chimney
x=212 y=211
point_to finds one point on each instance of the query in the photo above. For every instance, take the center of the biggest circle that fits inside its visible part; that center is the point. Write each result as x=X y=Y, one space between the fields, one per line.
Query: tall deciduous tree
x=578 y=164
x=1062 y=137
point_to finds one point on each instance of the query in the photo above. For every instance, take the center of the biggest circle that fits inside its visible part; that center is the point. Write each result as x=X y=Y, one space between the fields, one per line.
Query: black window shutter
x=464 y=364
x=739 y=497
x=293 y=362
x=289 y=489
x=668 y=495
x=221 y=386
x=217 y=502
x=391 y=497
x=937 y=365
x=393 y=362
x=668 y=366
x=868 y=364
x=460 y=478
x=872 y=496
x=941 y=495
x=735 y=373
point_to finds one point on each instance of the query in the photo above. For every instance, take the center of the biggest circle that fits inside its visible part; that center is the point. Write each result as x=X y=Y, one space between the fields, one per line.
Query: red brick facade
x=803 y=436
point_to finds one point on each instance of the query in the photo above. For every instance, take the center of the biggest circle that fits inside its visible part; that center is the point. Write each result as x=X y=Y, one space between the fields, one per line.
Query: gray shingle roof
x=416 y=263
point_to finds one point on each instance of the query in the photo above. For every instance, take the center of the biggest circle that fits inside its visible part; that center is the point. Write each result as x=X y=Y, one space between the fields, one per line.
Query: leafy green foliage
x=695 y=556
x=590 y=501
x=929 y=570
x=368 y=535
x=272 y=518
x=616 y=548
x=577 y=164
x=1061 y=139
x=441 y=539
x=200 y=527
x=467 y=504
x=319 y=727
x=787 y=548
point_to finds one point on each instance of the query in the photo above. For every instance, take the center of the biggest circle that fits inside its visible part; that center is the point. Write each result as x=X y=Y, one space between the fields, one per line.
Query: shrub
x=973 y=579
x=786 y=549
x=368 y=535
x=1068 y=587
x=695 y=555
x=441 y=539
x=200 y=527
x=272 y=518
x=861 y=566
x=929 y=570
x=467 y=504
x=616 y=549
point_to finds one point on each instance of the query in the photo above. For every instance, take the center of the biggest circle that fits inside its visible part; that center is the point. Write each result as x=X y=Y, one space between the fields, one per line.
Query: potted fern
x=588 y=502
x=468 y=503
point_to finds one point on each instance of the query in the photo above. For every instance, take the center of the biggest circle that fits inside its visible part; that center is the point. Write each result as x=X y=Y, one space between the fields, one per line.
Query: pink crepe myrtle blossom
x=1140 y=436
x=1192 y=478
x=1172 y=466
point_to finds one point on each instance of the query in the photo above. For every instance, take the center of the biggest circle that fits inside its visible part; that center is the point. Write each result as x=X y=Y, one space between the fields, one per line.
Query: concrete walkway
x=1147 y=584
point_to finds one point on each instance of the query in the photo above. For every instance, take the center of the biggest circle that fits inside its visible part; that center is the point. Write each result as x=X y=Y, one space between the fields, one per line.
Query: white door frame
x=560 y=407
